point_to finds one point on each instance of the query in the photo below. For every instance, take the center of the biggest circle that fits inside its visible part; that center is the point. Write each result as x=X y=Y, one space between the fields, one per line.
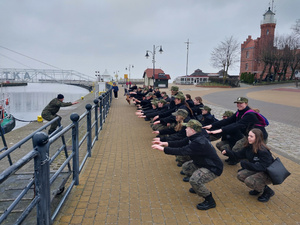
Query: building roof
x=158 y=74
x=197 y=73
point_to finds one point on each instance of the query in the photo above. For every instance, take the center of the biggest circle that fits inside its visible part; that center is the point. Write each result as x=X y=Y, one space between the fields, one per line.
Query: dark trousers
x=116 y=94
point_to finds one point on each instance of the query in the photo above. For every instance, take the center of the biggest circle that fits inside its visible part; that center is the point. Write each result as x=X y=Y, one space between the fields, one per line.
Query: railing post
x=89 y=129
x=104 y=105
x=101 y=111
x=110 y=94
x=75 y=147
x=42 y=178
x=96 y=117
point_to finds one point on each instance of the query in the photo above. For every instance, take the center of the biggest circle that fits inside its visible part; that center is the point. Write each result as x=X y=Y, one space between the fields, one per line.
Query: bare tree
x=267 y=56
x=296 y=28
x=225 y=55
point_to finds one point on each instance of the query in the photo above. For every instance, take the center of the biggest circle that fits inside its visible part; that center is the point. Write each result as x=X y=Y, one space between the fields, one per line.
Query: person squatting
x=185 y=127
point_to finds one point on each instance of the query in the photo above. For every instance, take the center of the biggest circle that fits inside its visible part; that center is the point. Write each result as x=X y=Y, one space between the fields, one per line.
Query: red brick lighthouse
x=251 y=50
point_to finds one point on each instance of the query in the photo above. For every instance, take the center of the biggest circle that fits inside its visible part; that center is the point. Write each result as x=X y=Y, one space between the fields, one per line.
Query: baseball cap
x=206 y=108
x=241 y=100
x=180 y=112
x=174 y=88
x=180 y=96
x=194 y=124
x=162 y=101
x=228 y=113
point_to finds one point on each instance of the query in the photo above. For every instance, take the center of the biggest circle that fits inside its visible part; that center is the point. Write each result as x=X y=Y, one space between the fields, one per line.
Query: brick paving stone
x=130 y=183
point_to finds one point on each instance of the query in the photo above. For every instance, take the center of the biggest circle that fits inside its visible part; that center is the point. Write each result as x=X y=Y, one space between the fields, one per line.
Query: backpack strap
x=263 y=120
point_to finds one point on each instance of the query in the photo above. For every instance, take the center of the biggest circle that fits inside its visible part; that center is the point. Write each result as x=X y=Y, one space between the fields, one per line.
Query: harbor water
x=27 y=102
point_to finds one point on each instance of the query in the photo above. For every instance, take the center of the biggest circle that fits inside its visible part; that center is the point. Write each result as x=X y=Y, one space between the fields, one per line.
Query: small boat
x=7 y=120
x=7 y=123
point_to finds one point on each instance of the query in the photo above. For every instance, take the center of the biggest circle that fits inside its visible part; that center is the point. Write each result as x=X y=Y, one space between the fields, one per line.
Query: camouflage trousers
x=159 y=126
x=221 y=145
x=49 y=117
x=254 y=180
x=214 y=137
x=198 y=177
x=239 y=145
x=183 y=158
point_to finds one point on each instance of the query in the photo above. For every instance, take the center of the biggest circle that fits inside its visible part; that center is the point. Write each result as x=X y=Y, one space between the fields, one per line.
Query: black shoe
x=179 y=164
x=207 y=204
x=227 y=160
x=266 y=195
x=182 y=173
x=191 y=190
x=254 y=192
x=186 y=179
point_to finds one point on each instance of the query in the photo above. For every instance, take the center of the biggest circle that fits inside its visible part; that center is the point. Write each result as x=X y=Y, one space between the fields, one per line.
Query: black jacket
x=256 y=162
x=207 y=119
x=201 y=151
x=242 y=123
x=169 y=118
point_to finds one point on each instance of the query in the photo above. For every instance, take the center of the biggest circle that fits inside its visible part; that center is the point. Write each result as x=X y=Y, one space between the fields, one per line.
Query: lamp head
x=147 y=55
x=160 y=50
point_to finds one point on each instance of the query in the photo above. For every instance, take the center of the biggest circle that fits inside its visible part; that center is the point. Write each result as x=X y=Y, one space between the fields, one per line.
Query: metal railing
x=55 y=165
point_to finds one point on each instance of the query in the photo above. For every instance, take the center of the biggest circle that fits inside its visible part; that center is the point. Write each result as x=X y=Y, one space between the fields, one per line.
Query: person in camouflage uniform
x=205 y=165
x=49 y=112
x=258 y=159
x=235 y=128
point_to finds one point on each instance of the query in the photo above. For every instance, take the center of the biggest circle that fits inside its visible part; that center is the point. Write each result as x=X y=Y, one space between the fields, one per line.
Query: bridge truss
x=43 y=75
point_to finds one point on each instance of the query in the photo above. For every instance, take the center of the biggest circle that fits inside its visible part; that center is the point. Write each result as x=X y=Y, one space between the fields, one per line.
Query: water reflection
x=27 y=102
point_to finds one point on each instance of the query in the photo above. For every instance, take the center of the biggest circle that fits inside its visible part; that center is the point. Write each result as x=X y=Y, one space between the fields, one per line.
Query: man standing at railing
x=49 y=112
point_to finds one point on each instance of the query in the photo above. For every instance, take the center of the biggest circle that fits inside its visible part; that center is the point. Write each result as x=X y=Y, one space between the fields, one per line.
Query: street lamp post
x=128 y=68
x=153 y=57
x=116 y=75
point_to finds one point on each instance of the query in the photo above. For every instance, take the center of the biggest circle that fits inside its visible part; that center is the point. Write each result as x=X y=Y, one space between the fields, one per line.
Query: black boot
x=254 y=192
x=207 y=204
x=266 y=195
x=186 y=179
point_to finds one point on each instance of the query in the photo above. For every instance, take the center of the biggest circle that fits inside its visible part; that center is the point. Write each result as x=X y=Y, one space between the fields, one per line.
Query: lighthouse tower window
x=268 y=32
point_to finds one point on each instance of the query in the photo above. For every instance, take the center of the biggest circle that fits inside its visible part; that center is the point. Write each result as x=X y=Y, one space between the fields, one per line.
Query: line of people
x=185 y=128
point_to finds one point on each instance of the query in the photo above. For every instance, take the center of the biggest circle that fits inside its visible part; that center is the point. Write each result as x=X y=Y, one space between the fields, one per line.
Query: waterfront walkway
x=127 y=182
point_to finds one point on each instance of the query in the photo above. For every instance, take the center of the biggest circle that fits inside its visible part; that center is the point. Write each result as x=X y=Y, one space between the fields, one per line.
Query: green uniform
x=49 y=112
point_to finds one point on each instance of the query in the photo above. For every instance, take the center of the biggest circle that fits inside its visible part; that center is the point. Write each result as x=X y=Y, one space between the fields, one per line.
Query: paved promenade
x=127 y=182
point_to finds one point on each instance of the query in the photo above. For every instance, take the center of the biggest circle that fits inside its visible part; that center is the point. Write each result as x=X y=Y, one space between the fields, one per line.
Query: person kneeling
x=253 y=172
x=205 y=165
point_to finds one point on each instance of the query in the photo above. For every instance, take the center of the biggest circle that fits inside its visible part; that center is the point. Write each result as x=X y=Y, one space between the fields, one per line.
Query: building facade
x=156 y=78
x=255 y=53
x=251 y=49
x=195 y=78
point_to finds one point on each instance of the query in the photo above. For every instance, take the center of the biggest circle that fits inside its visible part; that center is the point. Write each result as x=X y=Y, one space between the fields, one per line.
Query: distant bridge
x=72 y=77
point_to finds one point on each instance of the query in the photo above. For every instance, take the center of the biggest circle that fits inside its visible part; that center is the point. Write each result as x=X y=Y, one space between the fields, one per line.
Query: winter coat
x=201 y=151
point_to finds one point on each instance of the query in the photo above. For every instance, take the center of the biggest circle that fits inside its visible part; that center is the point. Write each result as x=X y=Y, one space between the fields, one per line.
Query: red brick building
x=251 y=49
x=160 y=79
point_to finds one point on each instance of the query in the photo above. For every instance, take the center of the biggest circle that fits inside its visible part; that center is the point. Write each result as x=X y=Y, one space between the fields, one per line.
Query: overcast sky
x=94 y=35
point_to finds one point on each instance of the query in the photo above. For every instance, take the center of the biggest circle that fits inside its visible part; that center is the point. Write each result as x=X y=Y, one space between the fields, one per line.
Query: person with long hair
x=235 y=128
x=175 y=133
x=166 y=119
x=253 y=172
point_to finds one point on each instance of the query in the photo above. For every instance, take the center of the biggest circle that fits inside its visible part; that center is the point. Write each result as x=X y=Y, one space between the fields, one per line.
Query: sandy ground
x=277 y=96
